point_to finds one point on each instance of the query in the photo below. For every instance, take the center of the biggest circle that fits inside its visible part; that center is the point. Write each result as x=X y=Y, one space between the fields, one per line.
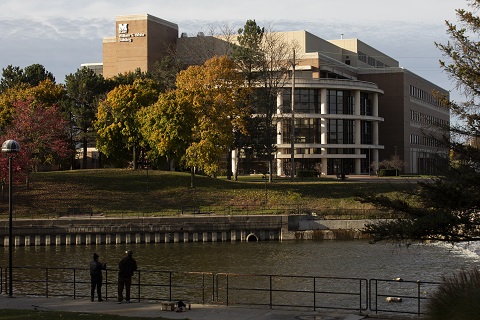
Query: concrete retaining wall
x=98 y=230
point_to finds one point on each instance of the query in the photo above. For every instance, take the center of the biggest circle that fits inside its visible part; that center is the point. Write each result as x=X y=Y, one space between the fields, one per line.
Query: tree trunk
x=85 y=154
x=135 y=164
x=237 y=159
x=192 y=177
x=270 y=170
x=229 y=164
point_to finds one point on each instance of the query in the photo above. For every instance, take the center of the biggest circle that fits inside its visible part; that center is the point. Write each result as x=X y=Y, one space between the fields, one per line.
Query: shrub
x=306 y=173
x=457 y=298
x=388 y=172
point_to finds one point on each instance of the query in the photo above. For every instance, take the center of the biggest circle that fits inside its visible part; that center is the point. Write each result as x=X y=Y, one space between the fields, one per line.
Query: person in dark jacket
x=126 y=268
x=96 y=277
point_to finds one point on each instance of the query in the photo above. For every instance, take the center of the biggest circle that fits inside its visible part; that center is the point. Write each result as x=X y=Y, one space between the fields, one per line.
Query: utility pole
x=292 y=130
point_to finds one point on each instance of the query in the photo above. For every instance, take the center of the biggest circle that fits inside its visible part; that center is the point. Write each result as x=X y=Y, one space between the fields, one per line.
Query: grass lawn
x=113 y=192
x=13 y=314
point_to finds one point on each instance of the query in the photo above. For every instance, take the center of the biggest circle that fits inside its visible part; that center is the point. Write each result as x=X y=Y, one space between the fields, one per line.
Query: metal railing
x=267 y=290
x=146 y=284
x=389 y=295
x=292 y=291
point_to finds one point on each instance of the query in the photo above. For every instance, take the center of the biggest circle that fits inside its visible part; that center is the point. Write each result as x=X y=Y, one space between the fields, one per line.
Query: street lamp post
x=10 y=146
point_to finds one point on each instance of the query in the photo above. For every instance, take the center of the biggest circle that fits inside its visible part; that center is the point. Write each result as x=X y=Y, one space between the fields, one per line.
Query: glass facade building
x=353 y=105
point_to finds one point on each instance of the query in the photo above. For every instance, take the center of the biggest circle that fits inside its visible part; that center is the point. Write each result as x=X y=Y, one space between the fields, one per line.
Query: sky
x=63 y=34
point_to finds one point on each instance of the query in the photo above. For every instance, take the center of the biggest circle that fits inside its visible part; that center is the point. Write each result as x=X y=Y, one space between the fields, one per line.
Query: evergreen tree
x=30 y=76
x=264 y=59
x=84 y=90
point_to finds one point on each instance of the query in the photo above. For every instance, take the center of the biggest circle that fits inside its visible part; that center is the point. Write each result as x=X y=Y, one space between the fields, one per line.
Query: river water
x=328 y=258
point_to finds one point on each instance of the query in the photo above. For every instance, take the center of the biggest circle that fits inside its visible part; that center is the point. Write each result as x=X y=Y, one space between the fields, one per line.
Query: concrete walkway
x=197 y=312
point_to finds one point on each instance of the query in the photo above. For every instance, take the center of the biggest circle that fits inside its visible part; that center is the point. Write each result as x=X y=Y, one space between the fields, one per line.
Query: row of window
x=338 y=101
x=426 y=118
x=424 y=141
x=425 y=96
x=338 y=131
x=370 y=60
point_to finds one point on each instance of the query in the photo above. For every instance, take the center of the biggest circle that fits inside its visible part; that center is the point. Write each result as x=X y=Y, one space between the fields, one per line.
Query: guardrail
x=267 y=290
x=292 y=291
x=386 y=295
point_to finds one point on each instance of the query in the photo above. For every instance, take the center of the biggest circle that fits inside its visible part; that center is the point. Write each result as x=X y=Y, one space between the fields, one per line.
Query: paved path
x=197 y=312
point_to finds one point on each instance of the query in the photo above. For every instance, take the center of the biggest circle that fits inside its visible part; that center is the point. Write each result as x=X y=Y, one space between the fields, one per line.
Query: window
x=365 y=104
x=306 y=101
x=306 y=131
x=341 y=131
x=340 y=102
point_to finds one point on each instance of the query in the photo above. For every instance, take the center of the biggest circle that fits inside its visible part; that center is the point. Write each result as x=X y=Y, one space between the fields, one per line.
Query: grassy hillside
x=126 y=192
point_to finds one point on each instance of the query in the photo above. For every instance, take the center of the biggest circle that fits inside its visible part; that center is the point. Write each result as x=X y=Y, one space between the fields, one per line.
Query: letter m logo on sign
x=122 y=27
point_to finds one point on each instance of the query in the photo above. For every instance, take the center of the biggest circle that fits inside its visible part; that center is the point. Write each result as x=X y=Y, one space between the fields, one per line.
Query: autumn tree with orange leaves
x=194 y=125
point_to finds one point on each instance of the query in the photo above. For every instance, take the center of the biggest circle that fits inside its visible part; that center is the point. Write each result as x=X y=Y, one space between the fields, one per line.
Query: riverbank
x=184 y=228
x=137 y=193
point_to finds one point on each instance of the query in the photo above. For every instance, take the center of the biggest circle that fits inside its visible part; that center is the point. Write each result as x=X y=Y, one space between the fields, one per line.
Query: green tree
x=248 y=54
x=30 y=76
x=167 y=127
x=165 y=72
x=265 y=59
x=447 y=207
x=84 y=89
x=117 y=124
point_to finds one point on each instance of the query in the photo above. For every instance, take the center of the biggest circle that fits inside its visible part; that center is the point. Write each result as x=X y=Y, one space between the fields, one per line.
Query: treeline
x=175 y=116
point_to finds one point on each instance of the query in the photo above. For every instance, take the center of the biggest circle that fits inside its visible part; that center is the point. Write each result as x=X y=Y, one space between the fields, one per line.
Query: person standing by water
x=126 y=268
x=96 y=277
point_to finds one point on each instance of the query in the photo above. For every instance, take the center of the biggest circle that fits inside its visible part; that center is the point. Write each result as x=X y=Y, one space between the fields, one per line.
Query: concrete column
x=214 y=236
x=375 y=105
x=27 y=241
x=279 y=167
x=375 y=160
x=48 y=240
x=356 y=103
x=224 y=236
x=324 y=166
x=279 y=102
x=195 y=237
x=128 y=238
x=176 y=237
x=98 y=239
x=38 y=241
x=88 y=239
x=233 y=235
x=118 y=239
x=279 y=141
x=323 y=121
x=157 y=238
x=68 y=239
x=323 y=101
x=234 y=161
x=147 y=238
x=138 y=238
x=17 y=241
x=205 y=236
x=185 y=237
x=358 y=165
x=108 y=238
x=375 y=133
